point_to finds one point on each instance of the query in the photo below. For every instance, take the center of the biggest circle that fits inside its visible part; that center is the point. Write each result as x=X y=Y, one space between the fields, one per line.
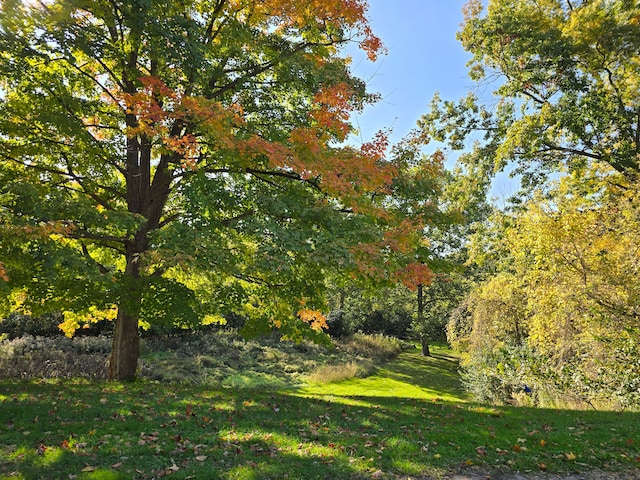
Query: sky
x=423 y=57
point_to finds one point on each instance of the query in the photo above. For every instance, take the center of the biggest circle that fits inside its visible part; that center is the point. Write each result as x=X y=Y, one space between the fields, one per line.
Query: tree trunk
x=424 y=340
x=425 y=346
x=125 y=350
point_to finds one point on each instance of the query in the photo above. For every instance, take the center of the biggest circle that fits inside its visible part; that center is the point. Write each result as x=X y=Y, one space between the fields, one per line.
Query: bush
x=390 y=322
x=54 y=357
x=337 y=323
x=17 y=325
x=499 y=375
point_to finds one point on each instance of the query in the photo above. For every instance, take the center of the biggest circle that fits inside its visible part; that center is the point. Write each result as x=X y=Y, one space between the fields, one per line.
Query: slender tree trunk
x=425 y=346
x=424 y=339
x=123 y=362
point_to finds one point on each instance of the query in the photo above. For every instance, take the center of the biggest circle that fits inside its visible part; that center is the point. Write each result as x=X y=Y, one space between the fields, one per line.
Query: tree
x=182 y=159
x=462 y=207
x=567 y=76
x=562 y=312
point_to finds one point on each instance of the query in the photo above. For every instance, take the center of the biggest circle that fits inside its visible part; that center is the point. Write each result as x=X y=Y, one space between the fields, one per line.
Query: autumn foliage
x=179 y=161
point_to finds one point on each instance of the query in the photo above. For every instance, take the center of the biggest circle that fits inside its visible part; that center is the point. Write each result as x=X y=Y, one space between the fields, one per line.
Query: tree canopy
x=565 y=77
x=557 y=307
x=179 y=160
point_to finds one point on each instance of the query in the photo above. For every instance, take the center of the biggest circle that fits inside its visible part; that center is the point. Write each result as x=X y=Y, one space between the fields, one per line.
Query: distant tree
x=176 y=160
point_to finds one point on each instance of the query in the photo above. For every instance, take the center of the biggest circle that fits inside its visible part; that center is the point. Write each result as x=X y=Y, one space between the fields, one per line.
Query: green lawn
x=410 y=418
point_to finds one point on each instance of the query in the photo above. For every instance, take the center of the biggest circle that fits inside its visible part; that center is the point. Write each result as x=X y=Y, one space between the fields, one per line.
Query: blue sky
x=424 y=57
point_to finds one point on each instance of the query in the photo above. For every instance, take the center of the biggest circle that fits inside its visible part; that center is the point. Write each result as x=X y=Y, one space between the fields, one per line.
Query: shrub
x=17 y=325
x=338 y=325
x=389 y=322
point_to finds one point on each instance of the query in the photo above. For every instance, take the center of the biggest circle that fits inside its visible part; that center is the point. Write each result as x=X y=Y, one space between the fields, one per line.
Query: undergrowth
x=214 y=359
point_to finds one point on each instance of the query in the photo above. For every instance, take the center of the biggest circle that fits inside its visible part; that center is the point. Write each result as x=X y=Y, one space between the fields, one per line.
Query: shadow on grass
x=88 y=431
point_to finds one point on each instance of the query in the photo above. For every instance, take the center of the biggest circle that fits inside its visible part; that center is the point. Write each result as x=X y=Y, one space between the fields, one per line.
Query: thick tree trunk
x=123 y=362
x=125 y=349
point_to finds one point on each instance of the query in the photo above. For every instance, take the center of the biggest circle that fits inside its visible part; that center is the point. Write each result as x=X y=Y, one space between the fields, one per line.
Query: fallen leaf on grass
x=201 y=458
x=116 y=465
x=89 y=468
x=570 y=456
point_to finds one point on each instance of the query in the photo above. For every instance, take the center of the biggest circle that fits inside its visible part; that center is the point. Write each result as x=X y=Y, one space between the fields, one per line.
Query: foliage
x=17 y=325
x=440 y=298
x=185 y=160
x=337 y=326
x=384 y=310
x=566 y=77
x=566 y=294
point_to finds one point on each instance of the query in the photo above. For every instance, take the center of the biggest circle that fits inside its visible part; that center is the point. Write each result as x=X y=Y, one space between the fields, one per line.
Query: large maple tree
x=170 y=160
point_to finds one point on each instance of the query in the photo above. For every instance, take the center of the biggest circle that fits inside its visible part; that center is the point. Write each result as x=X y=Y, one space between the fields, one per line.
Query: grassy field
x=411 y=418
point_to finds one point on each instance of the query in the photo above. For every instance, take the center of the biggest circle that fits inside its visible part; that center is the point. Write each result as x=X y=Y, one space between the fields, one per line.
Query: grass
x=410 y=418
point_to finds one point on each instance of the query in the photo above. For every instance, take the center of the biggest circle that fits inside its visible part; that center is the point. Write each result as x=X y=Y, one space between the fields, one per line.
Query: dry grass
x=341 y=372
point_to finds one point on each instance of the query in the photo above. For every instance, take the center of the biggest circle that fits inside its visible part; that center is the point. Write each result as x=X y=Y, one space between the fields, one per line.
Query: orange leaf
x=314 y=318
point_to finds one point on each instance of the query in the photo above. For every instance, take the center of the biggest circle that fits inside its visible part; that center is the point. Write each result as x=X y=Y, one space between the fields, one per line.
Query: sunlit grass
x=410 y=418
x=412 y=376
